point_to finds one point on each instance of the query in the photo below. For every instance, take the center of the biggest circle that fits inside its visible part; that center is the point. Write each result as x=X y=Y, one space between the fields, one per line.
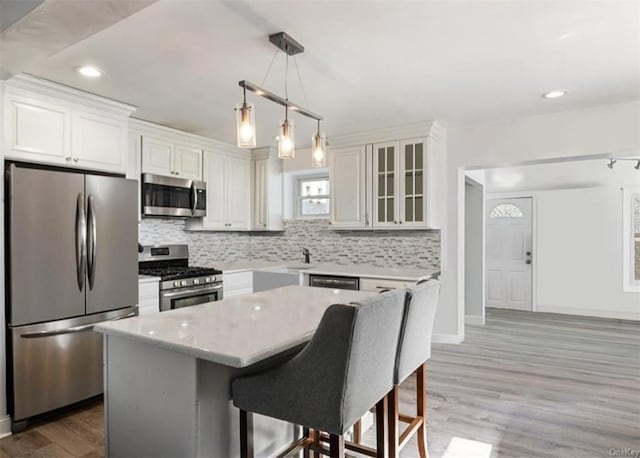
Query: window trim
x=630 y=284
x=299 y=197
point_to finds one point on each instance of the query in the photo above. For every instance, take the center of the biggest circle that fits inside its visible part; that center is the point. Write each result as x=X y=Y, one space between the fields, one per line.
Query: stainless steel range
x=180 y=284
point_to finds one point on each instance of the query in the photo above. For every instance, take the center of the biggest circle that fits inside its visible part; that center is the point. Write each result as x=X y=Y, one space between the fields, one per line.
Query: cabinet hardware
x=400 y=222
x=68 y=158
x=75 y=159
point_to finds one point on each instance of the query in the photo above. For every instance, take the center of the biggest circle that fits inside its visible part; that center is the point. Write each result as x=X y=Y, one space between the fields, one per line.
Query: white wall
x=612 y=129
x=474 y=253
x=579 y=255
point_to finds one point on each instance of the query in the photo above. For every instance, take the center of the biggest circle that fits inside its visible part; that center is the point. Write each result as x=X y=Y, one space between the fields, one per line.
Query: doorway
x=509 y=253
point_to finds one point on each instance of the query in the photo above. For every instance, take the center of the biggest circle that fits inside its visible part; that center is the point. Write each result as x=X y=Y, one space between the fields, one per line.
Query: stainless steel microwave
x=168 y=196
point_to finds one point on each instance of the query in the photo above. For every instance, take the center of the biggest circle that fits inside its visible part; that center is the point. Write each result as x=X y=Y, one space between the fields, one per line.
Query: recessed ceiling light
x=89 y=71
x=554 y=94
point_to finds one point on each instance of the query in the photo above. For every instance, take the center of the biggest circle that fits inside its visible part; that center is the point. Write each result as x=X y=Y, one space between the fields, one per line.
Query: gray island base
x=168 y=376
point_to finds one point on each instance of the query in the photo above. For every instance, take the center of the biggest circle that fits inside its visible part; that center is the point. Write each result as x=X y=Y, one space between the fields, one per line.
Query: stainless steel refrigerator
x=71 y=261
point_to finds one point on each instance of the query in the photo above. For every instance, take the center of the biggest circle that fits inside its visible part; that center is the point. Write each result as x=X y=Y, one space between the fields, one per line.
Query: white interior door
x=509 y=253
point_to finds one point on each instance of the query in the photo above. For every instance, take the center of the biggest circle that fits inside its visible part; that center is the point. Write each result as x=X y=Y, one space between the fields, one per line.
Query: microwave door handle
x=91 y=251
x=81 y=241
x=194 y=198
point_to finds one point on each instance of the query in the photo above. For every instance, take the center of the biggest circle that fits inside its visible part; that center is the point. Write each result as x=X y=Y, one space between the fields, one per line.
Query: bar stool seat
x=347 y=367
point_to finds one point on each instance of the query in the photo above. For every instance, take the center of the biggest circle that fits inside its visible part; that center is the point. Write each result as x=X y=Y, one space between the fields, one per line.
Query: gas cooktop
x=177 y=273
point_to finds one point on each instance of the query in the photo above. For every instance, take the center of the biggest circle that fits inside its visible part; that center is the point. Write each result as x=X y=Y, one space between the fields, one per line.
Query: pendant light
x=286 y=137
x=319 y=149
x=245 y=124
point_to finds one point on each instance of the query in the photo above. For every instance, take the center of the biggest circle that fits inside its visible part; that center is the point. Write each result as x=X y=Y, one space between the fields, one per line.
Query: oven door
x=167 y=196
x=178 y=298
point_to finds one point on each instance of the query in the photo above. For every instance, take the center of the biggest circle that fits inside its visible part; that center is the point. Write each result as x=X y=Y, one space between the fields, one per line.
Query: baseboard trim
x=5 y=426
x=474 y=320
x=447 y=338
x=589 y=312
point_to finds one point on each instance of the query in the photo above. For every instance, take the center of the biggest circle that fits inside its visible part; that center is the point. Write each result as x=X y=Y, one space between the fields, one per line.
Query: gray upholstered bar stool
x=347 y=368
x=413 y=352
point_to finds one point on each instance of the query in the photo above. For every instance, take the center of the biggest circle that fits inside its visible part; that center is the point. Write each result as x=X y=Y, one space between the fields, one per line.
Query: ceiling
x=367 y=64
x=561 y=175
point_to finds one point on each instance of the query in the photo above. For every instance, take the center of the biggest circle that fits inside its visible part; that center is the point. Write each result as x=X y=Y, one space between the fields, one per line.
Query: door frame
x=534 y=236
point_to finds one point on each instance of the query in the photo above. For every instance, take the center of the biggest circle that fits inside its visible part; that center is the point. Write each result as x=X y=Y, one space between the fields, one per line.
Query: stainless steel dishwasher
x=334 y=282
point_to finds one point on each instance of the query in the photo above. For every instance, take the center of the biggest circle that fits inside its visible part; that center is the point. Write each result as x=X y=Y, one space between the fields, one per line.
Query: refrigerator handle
x=91 y=249
x=81 y=241
x=194 y=198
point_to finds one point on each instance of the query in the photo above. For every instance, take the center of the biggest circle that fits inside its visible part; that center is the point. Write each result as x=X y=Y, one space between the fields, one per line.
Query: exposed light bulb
x=245 y=124
x=286 y=145
x=318 y=149
x=246 y=131
x=286 y=140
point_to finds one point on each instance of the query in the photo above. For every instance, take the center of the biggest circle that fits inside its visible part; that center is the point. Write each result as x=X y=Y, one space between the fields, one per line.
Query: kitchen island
x=168 y=375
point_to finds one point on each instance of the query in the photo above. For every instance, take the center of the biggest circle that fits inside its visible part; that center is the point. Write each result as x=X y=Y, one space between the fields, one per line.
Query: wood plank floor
x=523 y=385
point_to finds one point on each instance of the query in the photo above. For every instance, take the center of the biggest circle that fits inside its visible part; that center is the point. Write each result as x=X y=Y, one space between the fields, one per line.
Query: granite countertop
x=238 y=331
x=355 y=270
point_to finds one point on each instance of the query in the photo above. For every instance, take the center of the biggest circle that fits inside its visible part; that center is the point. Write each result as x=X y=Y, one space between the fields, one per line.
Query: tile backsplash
x=410 y=249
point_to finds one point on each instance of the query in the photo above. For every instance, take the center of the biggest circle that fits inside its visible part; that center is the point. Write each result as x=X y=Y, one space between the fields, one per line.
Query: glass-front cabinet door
x=413 y=185
x=385 y=184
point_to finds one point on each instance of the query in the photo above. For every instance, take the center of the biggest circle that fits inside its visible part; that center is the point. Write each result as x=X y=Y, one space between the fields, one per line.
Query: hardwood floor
x=523 y=385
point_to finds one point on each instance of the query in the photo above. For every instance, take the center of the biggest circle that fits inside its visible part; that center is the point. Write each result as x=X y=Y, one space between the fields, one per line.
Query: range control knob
x=196 y=281
x=183 y=283
x=176 y=283
x=207 y=280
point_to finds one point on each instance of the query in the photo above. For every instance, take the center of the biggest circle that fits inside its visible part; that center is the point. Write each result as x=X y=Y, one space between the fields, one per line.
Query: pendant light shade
x=245 y=124
x=319 y=149
x=286 y=138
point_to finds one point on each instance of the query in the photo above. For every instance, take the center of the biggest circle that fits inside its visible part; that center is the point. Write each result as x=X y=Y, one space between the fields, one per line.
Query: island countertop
x=238 y=331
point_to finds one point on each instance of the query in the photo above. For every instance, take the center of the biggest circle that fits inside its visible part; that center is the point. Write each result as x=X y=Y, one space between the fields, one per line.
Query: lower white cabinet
x=237 y=283
x=148 y=297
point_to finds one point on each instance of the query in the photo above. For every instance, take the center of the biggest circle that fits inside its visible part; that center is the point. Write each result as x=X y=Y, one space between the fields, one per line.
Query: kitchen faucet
x=307 y=255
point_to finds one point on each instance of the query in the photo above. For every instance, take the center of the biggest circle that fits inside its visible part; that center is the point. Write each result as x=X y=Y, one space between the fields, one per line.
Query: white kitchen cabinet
x=237 y=283
x=99 y=142
x=228 y=193
x=148 y=296
x=385 y=184
x=53 y=124
x=267 y=198
x=347 y=177
x=165 y=157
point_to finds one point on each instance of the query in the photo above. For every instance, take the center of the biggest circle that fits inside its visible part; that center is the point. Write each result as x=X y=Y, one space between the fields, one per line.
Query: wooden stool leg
x=246 y=434
x=382 y=428
x=421 y=395
x=393 y=422
x=357 y=432
x=315 y=437
x=306 y=432
x=336 y=446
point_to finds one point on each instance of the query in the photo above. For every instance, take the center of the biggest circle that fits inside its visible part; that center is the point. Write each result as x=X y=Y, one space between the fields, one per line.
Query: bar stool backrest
x=417 y=328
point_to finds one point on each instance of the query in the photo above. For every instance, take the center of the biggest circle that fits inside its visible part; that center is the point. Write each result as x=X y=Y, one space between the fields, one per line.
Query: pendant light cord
x=286 y=77
x=269 y=69
x=304 y=92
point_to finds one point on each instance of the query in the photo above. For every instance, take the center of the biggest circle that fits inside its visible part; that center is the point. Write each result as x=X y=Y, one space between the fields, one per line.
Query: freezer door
x=46 y=211
x=112 y=243
x=56 y=364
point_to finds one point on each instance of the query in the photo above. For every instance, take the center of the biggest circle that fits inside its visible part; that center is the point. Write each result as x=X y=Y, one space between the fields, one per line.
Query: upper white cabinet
x=53 y=124
x=348 y=188
x=267 y=198
x=228 y=179
x=387 y=184
x=166 y=157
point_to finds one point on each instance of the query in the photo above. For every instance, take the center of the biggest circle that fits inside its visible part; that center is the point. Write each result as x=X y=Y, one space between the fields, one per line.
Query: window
x=631 y=233
x=313 y=196
x=506 y=211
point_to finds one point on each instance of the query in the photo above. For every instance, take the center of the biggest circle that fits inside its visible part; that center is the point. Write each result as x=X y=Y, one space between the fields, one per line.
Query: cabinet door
x=238 y=197
x=37 y=131
x=188 y=162
x=214 y=166
x=98 y=142
x=347 y=177
x=157 y=156
x=260 y=190
x=385 y=184
x=413 y=182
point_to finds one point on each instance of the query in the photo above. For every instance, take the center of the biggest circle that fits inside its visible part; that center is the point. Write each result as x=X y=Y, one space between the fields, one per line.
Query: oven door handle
x=191 y=291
